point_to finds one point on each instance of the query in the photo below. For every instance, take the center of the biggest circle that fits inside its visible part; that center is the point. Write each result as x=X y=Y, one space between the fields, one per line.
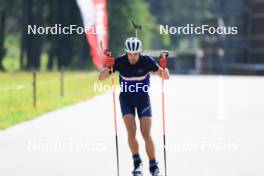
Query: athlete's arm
x=166 y=73
x=104 y=74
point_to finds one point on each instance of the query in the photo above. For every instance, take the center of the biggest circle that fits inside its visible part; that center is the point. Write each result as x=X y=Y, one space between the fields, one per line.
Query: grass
x=16 y=102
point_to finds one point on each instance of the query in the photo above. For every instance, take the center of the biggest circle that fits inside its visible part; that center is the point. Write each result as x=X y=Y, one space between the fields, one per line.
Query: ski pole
x=115 y=122
x=136 y=27
x=163 y=57
x=108 y=53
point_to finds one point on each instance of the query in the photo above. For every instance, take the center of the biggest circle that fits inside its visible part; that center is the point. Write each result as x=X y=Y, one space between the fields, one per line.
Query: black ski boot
x=153 y=168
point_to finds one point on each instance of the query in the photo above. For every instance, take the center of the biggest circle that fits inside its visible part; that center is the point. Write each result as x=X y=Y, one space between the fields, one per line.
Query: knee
x=131 y=132
x=146 y=135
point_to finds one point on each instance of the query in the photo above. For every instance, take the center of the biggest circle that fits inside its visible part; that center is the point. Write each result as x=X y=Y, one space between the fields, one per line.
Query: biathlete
x=134 y=77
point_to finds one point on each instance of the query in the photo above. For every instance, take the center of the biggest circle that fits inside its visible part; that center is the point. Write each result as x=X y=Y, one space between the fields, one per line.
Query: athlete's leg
x=145 y=128
x=130 y=123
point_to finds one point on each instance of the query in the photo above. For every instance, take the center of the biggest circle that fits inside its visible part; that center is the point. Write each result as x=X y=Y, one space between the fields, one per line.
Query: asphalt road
x=214 y=127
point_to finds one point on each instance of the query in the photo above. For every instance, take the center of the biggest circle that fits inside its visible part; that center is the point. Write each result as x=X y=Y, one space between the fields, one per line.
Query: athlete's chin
x=132 y=61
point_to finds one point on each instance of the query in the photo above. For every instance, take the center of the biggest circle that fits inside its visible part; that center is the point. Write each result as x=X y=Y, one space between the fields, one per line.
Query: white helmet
x=133 y=45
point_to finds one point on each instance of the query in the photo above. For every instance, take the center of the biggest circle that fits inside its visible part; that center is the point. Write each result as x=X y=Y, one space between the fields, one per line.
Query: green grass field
x=16 y=102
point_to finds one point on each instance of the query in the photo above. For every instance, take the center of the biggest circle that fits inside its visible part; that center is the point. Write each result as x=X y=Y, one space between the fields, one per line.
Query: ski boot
x=154 y=169
x=138 y=170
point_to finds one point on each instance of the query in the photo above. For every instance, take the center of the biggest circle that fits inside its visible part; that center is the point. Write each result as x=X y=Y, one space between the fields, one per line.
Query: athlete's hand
x=110 y=62
x=164 y=54
x=108 y=53
x=163 y=59
x=110 y=58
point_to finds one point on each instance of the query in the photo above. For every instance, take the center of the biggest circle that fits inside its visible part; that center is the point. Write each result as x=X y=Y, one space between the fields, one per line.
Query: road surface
x=214 y=126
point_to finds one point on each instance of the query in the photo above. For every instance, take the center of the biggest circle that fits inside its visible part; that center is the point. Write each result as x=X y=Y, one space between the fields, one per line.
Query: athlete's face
x=133 y=57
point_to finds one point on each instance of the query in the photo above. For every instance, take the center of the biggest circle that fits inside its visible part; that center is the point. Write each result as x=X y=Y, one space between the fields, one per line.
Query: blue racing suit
x=134 y=80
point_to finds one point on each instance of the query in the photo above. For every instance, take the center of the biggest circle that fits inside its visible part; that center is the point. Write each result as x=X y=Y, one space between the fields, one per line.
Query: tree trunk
x=38 y=40
x=34 y=42
x=23 y=40
x=2 y=39
x=29 y=38
x=54 y=14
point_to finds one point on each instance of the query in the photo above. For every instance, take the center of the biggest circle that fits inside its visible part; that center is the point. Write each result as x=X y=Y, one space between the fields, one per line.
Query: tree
x=3 y=9
x=180 y=13
x=33 y=47
x=120 y=27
